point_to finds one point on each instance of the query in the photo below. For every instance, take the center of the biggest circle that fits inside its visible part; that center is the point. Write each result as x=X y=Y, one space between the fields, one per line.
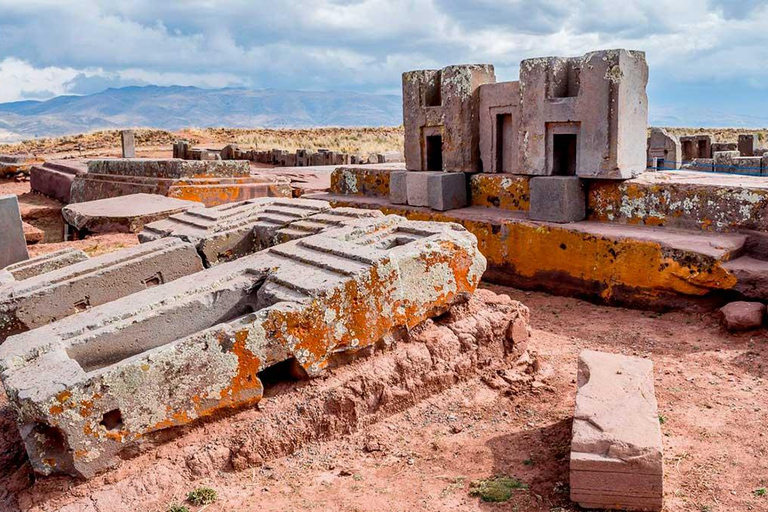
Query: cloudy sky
x=708 y=58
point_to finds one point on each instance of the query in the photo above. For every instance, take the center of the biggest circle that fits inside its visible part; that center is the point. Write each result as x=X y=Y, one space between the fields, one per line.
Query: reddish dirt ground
x=712 y=392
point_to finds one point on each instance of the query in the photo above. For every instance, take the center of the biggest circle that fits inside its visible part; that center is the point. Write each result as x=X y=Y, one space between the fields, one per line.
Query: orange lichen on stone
x=361 y=181
x=505 y=191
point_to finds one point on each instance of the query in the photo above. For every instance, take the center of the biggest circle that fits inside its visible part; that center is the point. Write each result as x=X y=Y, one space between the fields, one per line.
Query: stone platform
x=41 y=265
x=624 y=258
x=55 y=178
x=89 y=385
x=226 y=232
x=209 y=182
x=12 y=164
x=616 y=451
x=124 y=214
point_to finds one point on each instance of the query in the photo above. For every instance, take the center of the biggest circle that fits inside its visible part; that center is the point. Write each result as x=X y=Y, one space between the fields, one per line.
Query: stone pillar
x=129 y=143
x=13 y=246
x=747 y=144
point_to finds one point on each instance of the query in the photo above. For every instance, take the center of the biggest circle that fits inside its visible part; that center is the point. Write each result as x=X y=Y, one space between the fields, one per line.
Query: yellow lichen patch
x=360 y=181
x=536 y=251
x=504 y=191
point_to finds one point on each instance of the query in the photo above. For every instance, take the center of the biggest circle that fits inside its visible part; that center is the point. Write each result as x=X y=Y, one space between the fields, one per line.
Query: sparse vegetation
x=177 y=508
x=662 y=419
x=202 y=496
x=347 y=140
x=762 y=492
x=496 y=490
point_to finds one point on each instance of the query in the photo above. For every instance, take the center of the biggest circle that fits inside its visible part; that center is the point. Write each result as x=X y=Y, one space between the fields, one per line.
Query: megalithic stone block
x=211 y=182
x=41 y=264
x=13 y=246
x=128 y=143
x=76 y=288
x=616 y=451
x=88 y=386
x=226 y=232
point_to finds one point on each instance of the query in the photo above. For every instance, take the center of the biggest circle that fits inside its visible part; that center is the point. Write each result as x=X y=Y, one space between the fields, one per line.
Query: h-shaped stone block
x=88 y=386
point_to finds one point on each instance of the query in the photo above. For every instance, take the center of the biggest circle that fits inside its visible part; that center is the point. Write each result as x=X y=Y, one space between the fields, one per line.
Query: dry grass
x=347 y=140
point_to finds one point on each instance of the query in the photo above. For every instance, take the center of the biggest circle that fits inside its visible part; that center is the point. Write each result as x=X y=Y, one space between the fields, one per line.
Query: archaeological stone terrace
x=208 y=182
x=566 y=192
x=89 y=385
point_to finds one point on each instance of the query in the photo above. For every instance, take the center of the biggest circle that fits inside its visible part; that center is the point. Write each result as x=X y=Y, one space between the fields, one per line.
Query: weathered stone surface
x=364 y=180
x=128 y=143
x=743 y=316
x=731 y=162
x=557 y=199
x=499 y=119
x=54 y=295
x=13 y=246
x=746 y=144
x=616 y=450
x=210 y=182
x=440 y=117
x=42 y=264
x=32 y=235
x=398 y=187
x=696 y=146
x=310 y=301
x=12 y=164
x=683 y=199
x=598 y=99
x=446 y=191
x=227 y=232
x=54 y=178
x=665 y=148
x=126 y=214
x=416 y=187
x=597 y=261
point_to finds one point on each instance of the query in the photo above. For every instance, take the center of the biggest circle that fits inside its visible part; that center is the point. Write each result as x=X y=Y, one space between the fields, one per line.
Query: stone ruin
x=88 y=381
x=566 y=120
x=700 y=153
x=281 y=157
x=209 y=182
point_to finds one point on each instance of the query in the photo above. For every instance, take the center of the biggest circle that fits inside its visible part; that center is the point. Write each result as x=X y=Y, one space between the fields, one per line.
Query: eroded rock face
x=171 y=354
x=616 y=451
x=742 y=316
x=486 y=337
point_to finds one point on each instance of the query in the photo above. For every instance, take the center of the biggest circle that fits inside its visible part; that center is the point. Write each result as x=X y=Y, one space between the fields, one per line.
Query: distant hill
x=175 y=107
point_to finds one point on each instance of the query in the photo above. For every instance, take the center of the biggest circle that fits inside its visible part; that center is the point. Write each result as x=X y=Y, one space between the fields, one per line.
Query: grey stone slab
x=128 y=142
x=447 y=190
x=169 y=355
x=127 y=214
x=557 y=199
x=45 y=263
x=398 y=187
x=13 y=246
x=54 y=295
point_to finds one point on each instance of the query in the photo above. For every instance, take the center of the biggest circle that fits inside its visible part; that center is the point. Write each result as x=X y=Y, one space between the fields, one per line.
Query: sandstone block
x=54 y=295
x=211 y=182
x=447 y=191
x=128 y=142
x=13 y=246
x=125 y=214
x=616 y=451
x=44 y=263
x=54 y=178
x=398 y=187
x=226 y=232
x=743 y=316
x=169 y=355
x=557 y=199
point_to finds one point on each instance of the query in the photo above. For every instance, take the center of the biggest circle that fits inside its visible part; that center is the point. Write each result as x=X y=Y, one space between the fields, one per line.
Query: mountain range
x=176 y=107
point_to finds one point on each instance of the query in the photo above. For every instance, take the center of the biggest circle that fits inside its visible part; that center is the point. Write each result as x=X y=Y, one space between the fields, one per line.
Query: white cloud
x=51 y=47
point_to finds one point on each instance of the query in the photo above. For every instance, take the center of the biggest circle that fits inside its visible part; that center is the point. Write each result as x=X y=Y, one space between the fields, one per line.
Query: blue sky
x=708 y=59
